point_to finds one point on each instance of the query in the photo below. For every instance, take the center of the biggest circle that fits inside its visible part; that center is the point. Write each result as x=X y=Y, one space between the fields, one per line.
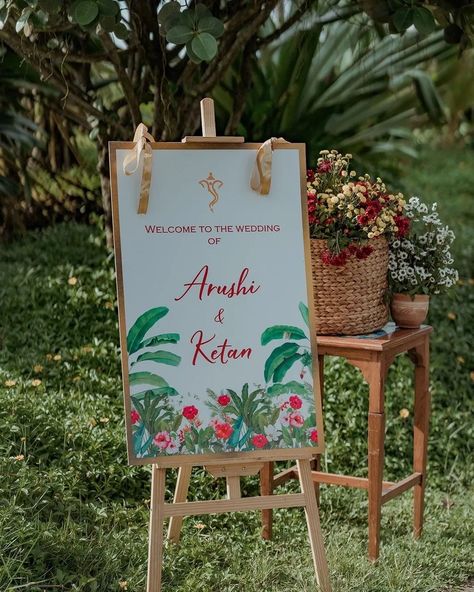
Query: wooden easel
x=232 y=469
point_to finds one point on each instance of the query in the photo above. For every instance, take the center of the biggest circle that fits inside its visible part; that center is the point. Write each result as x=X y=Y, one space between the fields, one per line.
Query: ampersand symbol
x=219 y=318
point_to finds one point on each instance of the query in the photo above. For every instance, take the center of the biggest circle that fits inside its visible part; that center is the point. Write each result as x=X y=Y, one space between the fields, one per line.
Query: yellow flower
x=36 y=382
x=49 y=356
x=86 y=349
x=57 y=358
x=460 y=360
x=472 y=376
x=334 y=199
x=23 y=439
x=20 y=457
x=92 y=422
x=38 y=368
x=72 y=281
x=452 y=316
x=404 y=413
x=10 y=383
x=371 y=235
x=123 y=585
x=199 y=525
x=104 y=420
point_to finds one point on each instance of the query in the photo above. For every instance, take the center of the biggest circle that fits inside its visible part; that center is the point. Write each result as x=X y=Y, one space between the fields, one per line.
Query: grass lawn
x=74 y=516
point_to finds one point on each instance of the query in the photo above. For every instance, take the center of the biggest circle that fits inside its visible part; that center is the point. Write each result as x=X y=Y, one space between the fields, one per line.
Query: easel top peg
x=208 y=124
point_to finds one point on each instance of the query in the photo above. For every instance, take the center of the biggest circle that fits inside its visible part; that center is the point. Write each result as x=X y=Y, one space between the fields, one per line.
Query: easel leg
x=420 y=433
x=180 y=495
x=316 y=462
x=314 y=526
x=266 y=488
x=155 y=536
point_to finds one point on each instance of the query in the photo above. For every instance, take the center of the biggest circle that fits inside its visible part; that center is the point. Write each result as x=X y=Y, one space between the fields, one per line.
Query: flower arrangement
x=421 y=261
x=349 y=211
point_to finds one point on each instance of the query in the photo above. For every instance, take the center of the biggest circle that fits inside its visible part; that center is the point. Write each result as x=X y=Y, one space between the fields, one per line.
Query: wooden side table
x=373 y=356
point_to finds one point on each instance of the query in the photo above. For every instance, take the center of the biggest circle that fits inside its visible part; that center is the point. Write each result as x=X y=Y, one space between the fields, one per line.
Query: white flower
x=272 y=432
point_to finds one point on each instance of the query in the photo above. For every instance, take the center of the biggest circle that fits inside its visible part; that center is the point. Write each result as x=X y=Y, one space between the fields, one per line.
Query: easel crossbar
x=262 y=502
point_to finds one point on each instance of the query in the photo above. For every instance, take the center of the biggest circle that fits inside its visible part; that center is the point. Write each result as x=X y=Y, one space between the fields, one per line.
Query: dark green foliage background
x=73 y=515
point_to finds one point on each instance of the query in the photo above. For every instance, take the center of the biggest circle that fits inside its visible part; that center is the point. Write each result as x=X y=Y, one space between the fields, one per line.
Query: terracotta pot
x=409 y=312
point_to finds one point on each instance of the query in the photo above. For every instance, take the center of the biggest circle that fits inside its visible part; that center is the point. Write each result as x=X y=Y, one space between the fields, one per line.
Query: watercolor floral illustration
x=278 y=413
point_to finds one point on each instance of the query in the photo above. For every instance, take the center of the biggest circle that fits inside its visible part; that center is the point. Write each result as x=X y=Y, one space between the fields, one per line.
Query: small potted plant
x=420 y=264
x=351 y=218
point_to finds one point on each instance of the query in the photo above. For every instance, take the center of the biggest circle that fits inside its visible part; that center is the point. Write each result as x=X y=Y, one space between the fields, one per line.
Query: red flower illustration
x=295 y=402
x=223 y=430
x=162 y=439
x=134 y=416
x=259 y=440
x=190 y=412
x=296 y=420
x=313 y=436
x=223 y=400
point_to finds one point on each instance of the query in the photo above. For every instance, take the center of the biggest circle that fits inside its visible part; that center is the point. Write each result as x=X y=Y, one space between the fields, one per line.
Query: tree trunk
x=104 y=174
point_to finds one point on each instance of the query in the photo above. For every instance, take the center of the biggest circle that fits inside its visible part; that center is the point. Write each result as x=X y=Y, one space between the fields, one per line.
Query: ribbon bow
x=131 y=163
x=261 y=179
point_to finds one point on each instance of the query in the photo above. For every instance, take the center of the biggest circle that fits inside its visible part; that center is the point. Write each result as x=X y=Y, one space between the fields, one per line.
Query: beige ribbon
x=261 y=179
x=131 y=163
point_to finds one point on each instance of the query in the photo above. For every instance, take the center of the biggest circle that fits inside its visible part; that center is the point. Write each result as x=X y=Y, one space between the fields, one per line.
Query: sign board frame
x=198 y=459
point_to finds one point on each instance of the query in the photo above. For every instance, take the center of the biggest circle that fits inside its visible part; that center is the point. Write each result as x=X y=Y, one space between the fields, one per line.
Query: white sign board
x=214 y=291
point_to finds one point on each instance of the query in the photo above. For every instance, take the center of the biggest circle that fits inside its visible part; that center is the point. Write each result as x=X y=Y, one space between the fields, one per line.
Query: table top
x=387 y=338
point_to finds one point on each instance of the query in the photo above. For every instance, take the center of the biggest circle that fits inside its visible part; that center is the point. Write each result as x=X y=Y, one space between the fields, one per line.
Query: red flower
x=364 y=252
x=223 y=400
x=259 y=440
x=373 y=209
x=363 y=219
x=190 y=412
x=310 y=175
x=223 y=430
x=324 y=167
x=313 y=436
x=134 y=416
x=295 y=402
x=403 y=225
x=336 y=259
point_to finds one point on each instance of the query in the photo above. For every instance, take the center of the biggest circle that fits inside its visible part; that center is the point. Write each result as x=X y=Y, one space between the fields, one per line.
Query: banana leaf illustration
x=285 y=356
x=151 y=403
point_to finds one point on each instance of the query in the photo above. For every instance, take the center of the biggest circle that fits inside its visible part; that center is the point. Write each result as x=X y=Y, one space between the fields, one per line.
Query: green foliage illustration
x=284 y=357
x=151 y=404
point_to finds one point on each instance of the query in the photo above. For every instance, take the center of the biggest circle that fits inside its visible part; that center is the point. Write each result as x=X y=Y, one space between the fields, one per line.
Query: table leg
x=376 y=459
x=266 y=488
x=420 y=432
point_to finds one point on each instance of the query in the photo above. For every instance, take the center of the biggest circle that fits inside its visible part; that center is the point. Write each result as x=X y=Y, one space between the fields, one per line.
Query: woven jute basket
x=350 y=300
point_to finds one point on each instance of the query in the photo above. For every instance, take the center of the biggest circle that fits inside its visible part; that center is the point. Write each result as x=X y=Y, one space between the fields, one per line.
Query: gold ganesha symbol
x=212 y=185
